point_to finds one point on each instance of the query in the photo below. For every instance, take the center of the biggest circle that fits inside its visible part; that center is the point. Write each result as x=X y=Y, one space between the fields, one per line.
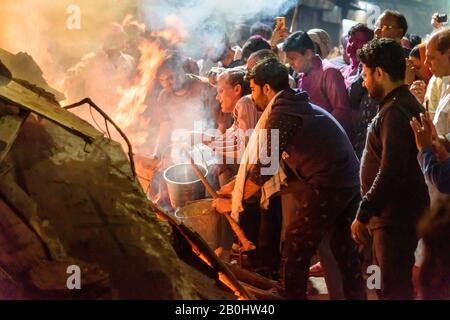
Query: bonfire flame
x=128 y=114
x=134 y=100
x=132 y=104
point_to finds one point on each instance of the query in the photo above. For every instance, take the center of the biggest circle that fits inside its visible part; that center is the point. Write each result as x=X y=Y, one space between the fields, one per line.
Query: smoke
x=194 y=13
x=40 y=29
x=206 y=21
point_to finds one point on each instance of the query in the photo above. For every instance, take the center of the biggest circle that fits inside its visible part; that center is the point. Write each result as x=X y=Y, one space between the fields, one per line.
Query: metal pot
x=203 y=219
x=183 y=184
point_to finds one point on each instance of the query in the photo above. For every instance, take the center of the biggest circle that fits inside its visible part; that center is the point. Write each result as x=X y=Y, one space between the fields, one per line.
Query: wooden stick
x=247 y=245
x=201 y=248
x=205 y=182
x=261 y=294
x=254 y=279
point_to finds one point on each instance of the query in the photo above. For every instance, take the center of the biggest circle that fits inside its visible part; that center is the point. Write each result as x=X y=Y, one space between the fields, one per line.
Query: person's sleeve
x=397 y=143
x=435 y=171
x=338 y=98
x=286 y=125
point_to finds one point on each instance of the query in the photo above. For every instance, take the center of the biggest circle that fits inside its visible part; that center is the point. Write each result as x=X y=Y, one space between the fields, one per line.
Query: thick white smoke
x=205 y=21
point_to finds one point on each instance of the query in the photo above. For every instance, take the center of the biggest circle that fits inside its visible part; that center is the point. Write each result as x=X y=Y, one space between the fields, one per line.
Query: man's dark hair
x=414 y=39
x=272 y=72
x=237 y=76
x=263 y=54
x=401 y=20
x=262 y=29
x=415 y=52
x=386 y=54
x=361 y=27
x=172 y=62
x=300 y=42
x=255 y=43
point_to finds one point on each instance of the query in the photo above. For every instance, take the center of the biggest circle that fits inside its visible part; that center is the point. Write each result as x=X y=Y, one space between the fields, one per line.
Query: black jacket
x=315 y=146
x=392 y=184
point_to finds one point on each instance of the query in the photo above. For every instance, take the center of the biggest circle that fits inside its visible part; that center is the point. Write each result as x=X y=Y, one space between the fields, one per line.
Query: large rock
x=99 y=212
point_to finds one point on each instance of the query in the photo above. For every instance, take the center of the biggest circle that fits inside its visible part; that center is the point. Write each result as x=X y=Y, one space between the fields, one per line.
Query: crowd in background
x=364 y=144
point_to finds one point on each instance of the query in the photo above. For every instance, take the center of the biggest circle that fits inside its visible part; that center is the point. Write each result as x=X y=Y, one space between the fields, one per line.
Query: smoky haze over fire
x=192 y=26
x=205 y=21
x=39 y=28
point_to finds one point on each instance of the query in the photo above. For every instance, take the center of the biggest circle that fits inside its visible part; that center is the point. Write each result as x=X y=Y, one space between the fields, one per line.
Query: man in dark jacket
x=322 y=171
x=393 y=188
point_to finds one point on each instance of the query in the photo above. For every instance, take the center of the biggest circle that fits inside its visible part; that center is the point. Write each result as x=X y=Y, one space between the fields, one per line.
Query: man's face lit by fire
x=260 y=99
x=438 y=62
x=227 y=94
x=300 y=62
x=372 y=83
x=386 y=27
x=167 y=80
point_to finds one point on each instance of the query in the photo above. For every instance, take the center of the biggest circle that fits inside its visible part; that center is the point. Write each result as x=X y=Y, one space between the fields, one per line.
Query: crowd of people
x=361 y=143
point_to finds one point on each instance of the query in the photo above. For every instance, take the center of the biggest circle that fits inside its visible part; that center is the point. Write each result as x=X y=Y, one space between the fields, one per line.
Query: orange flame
x=132 y=103
x=129 y=112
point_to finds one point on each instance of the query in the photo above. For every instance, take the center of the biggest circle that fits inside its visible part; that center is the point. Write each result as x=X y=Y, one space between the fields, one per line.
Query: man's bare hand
x=227 y=189
x=278 y=35
x=418 y=89
x=358 y=232
x=250 y=189
x=422 y=132
x=427 y=136
x=222 y=205
x=439 y=145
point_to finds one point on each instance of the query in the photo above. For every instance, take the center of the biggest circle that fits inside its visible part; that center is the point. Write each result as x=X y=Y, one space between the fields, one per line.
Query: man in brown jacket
x=393 y=187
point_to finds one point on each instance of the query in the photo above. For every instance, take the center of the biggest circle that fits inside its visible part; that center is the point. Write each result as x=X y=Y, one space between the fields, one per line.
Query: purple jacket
x=325 y=86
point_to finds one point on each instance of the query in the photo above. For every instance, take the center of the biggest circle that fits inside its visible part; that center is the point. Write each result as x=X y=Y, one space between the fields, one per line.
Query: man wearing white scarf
x=315 y=161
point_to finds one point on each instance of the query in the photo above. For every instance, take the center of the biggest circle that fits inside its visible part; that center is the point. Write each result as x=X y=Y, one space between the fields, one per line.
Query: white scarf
x=251 y=153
